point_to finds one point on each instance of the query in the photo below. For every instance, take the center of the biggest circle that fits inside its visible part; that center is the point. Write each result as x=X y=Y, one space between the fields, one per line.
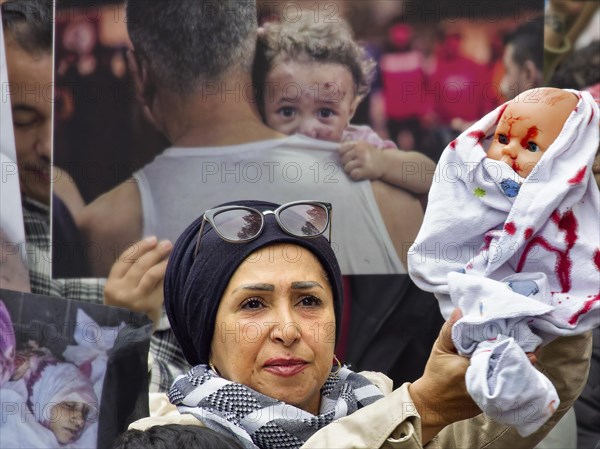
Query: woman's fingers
x=445 y=337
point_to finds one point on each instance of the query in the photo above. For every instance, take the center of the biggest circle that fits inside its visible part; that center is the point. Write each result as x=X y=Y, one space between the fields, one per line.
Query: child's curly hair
x=318 y=41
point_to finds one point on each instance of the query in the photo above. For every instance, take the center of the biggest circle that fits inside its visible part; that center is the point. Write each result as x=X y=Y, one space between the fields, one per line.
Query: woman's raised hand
x=440 y=395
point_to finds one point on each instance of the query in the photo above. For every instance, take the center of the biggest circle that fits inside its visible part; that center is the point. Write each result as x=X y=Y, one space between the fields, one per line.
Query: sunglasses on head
x=241 y=224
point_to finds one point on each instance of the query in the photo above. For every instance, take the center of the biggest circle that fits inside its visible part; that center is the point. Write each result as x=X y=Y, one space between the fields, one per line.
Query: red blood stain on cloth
x=597 y=259
x=510 y=228
x=528 y=233
x=478 y=134
x=567 y=223
x=579 y=176
x=587 y=306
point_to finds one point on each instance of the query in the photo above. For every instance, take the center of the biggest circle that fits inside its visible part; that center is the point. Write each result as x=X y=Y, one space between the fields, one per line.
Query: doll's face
x=528 y=126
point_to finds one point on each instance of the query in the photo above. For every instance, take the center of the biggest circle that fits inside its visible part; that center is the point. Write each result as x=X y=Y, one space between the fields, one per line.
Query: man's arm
x=64 y=186
x=402 y=215
x=110 y=224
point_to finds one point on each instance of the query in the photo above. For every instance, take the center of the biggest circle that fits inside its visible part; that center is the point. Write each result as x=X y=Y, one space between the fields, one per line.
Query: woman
x=253 y=293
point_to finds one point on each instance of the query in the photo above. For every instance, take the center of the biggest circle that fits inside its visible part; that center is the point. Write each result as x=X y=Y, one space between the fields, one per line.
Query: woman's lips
x=285 y=367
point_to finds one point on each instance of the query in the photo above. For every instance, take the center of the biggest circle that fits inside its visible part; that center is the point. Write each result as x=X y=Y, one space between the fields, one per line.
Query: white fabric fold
x=507 y=390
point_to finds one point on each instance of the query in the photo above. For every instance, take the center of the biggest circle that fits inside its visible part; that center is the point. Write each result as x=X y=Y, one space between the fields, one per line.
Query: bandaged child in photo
x=47 y=403
x=511 y=238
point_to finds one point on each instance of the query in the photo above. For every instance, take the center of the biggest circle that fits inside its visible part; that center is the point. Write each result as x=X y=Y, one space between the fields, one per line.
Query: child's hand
x=362 y=160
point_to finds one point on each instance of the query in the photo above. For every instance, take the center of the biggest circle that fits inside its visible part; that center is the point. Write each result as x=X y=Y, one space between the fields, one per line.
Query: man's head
x=523 y=59
x=27 y=28
x=180 y=44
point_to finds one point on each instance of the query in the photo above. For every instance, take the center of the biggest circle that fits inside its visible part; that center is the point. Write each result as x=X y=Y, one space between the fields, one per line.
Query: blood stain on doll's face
x=526 y=129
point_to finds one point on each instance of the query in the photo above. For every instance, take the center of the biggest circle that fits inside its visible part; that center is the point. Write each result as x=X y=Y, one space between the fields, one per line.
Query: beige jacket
x=393 y=422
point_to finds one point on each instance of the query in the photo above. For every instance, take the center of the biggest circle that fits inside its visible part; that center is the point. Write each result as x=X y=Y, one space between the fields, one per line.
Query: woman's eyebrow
x=259 y=286
x=306 y=284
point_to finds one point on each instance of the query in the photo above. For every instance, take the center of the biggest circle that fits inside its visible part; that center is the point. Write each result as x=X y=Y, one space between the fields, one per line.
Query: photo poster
x=102 y=136
x=13 y=268
x=72 y=374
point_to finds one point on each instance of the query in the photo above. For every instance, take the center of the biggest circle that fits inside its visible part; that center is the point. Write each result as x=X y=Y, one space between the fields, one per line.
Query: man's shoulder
x=296 y=149
x=300 y=141
x=296 y=141
x=116 y=209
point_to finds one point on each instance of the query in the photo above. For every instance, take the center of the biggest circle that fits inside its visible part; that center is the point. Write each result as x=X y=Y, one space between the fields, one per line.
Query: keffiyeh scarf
x=519 y=257
x=259 y=421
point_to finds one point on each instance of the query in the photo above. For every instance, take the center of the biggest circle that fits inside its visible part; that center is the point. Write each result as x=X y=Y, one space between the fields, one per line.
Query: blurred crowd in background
x=440 y=67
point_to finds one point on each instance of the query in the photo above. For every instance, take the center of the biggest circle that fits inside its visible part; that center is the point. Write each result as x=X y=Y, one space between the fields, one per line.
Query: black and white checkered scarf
x=260 y=421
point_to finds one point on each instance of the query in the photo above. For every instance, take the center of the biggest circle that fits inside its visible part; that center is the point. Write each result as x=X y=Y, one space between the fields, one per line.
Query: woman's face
x=275 y=326
x=67 y=420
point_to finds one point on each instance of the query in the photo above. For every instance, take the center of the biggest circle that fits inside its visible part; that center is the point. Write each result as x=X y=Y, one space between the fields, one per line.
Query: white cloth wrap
x=58 y=383
x=525 y=265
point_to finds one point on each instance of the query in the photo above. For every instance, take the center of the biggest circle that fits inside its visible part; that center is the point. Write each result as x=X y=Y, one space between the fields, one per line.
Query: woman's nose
x=285 y=330
x=287 y=333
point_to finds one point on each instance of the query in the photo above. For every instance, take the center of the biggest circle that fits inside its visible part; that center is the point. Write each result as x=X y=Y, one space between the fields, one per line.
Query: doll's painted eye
x=533 y=147
x=502 y=139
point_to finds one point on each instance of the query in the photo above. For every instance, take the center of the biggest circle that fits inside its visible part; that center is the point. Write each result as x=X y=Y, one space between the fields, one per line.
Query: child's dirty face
x=68 y=420
x=309 y=98
x=527 y=128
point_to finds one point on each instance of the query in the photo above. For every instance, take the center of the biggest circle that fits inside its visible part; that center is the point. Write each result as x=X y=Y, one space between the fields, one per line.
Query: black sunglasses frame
x=210 y=214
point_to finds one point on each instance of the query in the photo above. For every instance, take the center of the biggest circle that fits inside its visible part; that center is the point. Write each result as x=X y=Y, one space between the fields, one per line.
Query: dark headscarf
x=193 y=288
